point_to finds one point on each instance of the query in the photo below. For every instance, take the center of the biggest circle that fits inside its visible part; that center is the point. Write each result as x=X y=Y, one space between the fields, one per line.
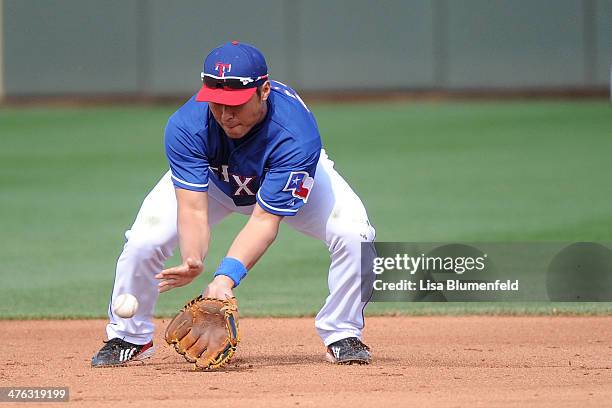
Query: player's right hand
x=179 y=275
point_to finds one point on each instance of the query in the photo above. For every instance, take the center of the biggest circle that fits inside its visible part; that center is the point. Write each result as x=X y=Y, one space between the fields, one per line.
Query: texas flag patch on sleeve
x=300 y=184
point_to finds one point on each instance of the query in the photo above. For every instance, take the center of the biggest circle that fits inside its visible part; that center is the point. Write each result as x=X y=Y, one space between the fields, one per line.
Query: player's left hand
x=179 y=275
x=220 y=288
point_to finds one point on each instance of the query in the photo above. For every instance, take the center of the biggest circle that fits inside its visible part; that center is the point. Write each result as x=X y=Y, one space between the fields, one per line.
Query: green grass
x=72 y=181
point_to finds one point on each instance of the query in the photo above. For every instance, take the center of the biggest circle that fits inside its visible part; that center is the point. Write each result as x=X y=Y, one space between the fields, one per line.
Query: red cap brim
x=233 y=97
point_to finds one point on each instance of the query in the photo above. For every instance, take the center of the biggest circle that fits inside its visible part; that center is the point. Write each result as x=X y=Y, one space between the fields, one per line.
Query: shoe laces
x=113 y=344
x=357 y=344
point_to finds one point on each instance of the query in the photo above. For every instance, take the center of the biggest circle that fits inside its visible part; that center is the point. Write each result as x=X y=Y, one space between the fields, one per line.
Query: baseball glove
x=205 y=331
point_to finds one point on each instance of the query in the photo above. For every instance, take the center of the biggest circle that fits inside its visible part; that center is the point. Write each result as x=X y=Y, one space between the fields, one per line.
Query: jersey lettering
x=224 y=173
x=243 y=185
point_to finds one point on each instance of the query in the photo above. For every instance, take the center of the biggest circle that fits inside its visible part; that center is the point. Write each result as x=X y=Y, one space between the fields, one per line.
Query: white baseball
x=125 y=305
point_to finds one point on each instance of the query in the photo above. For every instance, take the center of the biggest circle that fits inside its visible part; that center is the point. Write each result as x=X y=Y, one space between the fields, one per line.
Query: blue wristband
x=233 y=269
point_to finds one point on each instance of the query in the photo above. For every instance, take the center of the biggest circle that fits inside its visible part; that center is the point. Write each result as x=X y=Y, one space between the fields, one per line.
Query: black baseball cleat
x=117 y=352
x=348 y=351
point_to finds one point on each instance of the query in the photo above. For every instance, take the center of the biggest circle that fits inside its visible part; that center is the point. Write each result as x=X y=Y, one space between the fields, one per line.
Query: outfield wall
x=155 y=47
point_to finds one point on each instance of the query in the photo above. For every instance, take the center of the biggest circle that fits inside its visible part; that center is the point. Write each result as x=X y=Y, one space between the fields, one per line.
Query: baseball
x=125 y=305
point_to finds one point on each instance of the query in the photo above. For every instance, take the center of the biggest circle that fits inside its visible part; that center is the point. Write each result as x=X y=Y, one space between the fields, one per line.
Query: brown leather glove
x=206 y=332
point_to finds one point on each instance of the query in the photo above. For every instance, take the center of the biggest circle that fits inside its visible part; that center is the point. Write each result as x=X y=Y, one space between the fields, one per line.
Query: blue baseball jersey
x=274 y=164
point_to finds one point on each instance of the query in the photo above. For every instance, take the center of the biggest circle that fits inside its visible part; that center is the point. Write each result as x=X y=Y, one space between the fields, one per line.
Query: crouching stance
x=242 y=144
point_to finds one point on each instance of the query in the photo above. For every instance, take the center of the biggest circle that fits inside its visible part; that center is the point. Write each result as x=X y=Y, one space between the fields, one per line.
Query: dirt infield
x=418 y=361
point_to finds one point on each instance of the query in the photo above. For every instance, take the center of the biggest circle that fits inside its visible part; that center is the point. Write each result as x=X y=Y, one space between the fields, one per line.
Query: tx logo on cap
x=223 y=68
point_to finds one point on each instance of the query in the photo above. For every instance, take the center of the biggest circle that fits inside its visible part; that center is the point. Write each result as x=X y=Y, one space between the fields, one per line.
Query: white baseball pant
x=333 y=214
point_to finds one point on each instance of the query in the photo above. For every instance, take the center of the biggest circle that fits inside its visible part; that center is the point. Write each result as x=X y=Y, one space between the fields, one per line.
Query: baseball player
x=242 y=144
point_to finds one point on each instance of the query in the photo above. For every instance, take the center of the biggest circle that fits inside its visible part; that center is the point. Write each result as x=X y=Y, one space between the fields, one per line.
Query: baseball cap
x=231 y=74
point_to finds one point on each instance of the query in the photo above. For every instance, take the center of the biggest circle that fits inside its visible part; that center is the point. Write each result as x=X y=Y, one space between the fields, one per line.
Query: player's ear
x=265 y=91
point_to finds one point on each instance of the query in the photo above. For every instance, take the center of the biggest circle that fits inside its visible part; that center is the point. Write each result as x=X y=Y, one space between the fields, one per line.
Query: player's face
x=236 y=121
